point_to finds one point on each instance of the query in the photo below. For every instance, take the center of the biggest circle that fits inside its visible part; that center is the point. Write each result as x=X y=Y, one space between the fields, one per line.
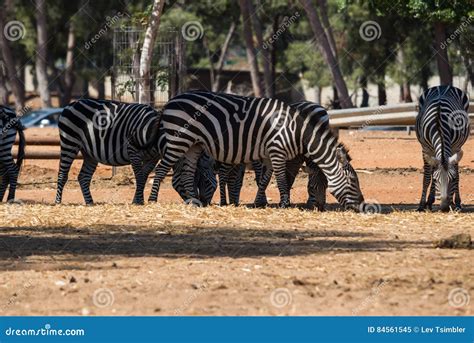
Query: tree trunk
x=327 y=53
x=317 y=94
x=276 y=25
x=468 y=64
x=69 y=77
x=444 y=69
x=382 y=93
x=267 y=72
x=223 y=57
x=101 y=88
x=3 y=86
x=41 y=61
x=323 y=6
x=147 y=51
x=365 y=93
x=251 y=56
x=15 y=82
x=212 y=74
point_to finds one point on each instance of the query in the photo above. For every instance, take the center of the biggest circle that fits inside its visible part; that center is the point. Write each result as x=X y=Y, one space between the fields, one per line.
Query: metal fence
x=167 y=71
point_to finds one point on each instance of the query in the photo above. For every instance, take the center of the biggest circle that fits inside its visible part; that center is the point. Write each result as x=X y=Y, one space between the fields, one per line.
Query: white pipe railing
x=390 y=115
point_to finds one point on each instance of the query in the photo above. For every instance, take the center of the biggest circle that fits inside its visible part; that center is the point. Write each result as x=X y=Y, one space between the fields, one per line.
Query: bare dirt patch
x=169 y=259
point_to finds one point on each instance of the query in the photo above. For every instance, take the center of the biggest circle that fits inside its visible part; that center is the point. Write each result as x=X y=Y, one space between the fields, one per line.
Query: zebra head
x=445 y=174
x=345 y=185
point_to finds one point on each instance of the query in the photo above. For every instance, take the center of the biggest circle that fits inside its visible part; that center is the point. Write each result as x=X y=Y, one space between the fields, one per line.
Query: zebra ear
x=456 y=157
x=342 y=155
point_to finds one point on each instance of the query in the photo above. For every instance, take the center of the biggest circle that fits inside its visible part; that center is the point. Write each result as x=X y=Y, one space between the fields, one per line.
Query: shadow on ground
x=100 y=242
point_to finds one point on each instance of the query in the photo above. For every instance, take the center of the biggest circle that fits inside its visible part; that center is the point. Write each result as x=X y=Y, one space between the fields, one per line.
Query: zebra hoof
x=284 y=204
x=458 y=208
x=138 y=202
x=152 y=200
x=421 y=209
x=222 y=204
x=260 y=204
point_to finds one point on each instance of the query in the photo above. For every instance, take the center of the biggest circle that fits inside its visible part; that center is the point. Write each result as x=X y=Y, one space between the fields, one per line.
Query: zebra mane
x=345 y=150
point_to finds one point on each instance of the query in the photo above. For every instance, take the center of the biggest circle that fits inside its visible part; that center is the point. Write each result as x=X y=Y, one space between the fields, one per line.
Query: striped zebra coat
x=235 y=129
x=442 y=128
x=10 y=125
x=317 y=182
x=111 y=133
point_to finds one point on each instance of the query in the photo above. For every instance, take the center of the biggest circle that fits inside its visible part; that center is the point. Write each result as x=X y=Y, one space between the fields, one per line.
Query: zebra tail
x=441 y=137
x=154 y=135
x=21 y=146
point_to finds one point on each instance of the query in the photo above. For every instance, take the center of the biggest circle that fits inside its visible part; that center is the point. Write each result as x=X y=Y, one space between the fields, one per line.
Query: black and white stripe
x=235 y=129
x=442 y=128
x=10 y=125
x=205 y=182
x=108 y=132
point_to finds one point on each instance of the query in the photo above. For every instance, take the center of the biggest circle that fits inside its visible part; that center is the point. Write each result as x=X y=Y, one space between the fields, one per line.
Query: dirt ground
x=170 y=259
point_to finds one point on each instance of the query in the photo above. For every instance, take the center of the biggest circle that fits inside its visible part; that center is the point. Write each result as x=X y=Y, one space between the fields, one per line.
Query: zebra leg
x=279 y=166
x=141 y=169
x=457 y=194
x=4 y=184
x=68 y=154
x=426 y=184
x=235 y=187
x=85 y=176
x=432 y=195
x=317 y=185
x=261 y=198
x=13 y=172
x=162 y=169
x=189 y=172
x=292 y=168
x=223 y=173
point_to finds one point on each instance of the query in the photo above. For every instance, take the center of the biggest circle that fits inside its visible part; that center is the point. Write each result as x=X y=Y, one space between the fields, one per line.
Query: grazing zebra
x=10 y=125
x=235 y=129
x=205 y=183
x=442 y=127
x=108 y=132
x=317 y=182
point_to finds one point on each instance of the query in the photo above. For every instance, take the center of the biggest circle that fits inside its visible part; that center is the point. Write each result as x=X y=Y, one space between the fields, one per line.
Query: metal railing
x=388 y=115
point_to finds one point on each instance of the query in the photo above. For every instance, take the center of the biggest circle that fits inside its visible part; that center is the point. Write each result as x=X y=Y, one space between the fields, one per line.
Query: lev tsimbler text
x=416 y=329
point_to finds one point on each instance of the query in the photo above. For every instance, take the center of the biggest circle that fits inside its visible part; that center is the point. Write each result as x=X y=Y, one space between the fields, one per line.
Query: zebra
x=317 y=182
x=108 y=132
x=442 y=128
x=10 y=125
x=205 y=182
x=235 y=129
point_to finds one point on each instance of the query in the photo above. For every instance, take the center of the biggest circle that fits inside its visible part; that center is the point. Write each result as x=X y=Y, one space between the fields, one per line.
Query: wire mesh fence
x=166 y=76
